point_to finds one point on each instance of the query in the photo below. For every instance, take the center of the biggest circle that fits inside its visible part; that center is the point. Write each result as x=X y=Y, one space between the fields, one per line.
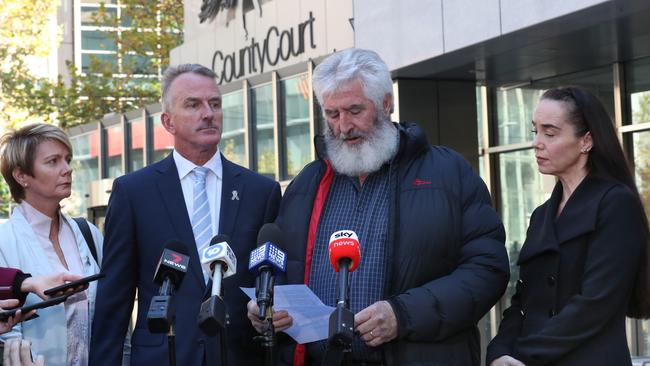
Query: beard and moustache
x=377 y=147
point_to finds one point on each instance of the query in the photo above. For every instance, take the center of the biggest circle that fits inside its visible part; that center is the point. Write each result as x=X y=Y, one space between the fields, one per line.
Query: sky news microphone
x=169 y=274
x=345 y=255
x=219 y=261
x=266 y=261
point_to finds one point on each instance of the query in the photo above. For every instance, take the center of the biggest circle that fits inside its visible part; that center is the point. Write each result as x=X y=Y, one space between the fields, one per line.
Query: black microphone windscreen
x=270 y=233
x=220 y=239
x=177 y=246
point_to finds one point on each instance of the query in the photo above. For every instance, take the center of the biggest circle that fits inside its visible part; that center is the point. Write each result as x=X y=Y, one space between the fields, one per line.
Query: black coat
x=446 y=262
x=576 y=279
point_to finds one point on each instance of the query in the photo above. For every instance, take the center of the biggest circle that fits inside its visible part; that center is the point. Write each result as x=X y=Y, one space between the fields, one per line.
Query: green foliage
x=144 y=36
x=25 y=34
x=642 y=150
x=5 y=199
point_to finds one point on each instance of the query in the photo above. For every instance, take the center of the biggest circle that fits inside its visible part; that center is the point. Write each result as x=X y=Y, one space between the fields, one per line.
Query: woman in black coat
x=584 y=264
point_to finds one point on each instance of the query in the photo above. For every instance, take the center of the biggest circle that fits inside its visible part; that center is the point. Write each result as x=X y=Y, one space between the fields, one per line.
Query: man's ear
x=388 y=104
x=166 y=121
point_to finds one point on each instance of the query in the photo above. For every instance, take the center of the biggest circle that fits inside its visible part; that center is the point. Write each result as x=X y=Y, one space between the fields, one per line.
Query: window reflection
x=638 y=85
x=85 y=167
x=137 y=132
x=515 y=110
x=640 y=104
x=641 y=141
x=262 y=120
x=163 y=143
x=521 y=189
x=232 y=138
x=115 y=144
x=295 y=122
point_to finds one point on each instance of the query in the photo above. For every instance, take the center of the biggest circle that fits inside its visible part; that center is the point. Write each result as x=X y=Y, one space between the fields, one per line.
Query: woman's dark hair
x=606 y=160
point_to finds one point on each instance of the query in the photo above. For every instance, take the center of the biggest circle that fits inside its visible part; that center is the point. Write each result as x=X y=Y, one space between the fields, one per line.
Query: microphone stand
x=267 y=338
x=213 y=316
x=341 y=324
x=161 y=314
x=171 y=345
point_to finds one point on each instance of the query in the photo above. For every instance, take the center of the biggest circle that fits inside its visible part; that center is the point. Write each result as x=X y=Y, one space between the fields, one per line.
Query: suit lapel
x=232 y=192
x=171 y=194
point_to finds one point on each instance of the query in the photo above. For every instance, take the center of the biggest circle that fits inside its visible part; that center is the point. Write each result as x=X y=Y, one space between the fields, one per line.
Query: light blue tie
x=201 y=218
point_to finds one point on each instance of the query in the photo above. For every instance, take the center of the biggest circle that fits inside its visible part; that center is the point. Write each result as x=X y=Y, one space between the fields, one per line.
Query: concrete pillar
x=446 y=110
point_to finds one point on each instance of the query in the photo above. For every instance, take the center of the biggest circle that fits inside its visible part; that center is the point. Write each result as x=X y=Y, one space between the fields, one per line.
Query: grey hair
x=354 y=64
x=173 y=72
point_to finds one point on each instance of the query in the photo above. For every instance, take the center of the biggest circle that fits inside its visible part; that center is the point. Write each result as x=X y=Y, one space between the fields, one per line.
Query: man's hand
x=38 y=284
x=8 y=304
x=281 y=318
x=506 y=361
x=376 y=324
x=18 y=353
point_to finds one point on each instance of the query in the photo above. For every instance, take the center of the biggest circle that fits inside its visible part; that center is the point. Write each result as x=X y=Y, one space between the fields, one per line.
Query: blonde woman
x=40 y=239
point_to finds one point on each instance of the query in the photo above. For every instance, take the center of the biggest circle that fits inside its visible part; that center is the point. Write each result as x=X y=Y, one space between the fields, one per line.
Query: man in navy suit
x=160 y=202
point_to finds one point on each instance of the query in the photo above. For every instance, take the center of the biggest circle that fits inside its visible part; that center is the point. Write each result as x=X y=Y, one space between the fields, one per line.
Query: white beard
x=377 y=148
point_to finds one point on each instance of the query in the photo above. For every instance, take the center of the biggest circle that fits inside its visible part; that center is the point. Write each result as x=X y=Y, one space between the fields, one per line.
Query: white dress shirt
x=213 y=183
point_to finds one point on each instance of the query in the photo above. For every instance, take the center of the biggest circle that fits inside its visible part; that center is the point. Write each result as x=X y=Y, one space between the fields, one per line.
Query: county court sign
x=241 y=42
x=277 y=45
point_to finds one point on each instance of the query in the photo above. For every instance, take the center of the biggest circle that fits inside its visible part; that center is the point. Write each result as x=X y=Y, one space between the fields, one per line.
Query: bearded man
x=433 y=260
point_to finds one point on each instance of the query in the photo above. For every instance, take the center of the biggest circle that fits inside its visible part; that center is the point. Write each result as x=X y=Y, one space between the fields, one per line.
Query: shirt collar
x=185 y=166
x=40 y=223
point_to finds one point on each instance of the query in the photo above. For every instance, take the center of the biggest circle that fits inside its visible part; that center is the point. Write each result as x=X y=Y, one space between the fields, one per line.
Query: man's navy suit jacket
x=147 y=209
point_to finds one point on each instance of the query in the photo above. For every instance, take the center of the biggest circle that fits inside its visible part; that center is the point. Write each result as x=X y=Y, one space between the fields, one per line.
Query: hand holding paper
x=310 y=315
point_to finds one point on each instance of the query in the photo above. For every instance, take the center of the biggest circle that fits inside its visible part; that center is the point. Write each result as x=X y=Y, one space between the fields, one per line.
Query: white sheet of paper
x=310 y=315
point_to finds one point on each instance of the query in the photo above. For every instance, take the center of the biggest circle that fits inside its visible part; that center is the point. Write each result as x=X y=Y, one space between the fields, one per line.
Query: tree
x=24 y=36
x=144 y=35
x=642 y=149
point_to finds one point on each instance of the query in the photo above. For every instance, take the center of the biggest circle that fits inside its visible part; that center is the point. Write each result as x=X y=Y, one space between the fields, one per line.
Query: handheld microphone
x=345 y=254
x=169 y=274
x=220 y=262
x=266 y=261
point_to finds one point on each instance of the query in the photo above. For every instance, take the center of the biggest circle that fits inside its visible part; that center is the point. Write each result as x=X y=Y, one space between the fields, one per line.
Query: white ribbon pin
x=235 y=196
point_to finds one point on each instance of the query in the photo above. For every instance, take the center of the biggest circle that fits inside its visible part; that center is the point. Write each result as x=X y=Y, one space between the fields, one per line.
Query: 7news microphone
x=220 y=262
x=169 y=274
x=345 y=254
x=266 y=261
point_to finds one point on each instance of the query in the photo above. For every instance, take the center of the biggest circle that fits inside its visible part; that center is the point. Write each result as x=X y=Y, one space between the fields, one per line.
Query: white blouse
x=76 y=306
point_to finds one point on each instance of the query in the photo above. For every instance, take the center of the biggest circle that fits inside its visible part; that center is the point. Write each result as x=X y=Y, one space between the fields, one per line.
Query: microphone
x=219 y=261
x=169 y=274
x=345 y=254
x=266 y=261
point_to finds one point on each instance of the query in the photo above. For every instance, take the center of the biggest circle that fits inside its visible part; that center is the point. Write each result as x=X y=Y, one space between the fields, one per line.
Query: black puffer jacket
x=446 y=262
